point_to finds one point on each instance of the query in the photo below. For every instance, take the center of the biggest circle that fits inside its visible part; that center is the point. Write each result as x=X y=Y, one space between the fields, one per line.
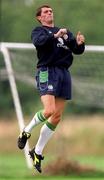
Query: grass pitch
x=78 y=140
x=13 y=167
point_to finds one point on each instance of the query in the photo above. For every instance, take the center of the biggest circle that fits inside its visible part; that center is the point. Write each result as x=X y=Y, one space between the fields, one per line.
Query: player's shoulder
x=38 y=28
x=35 y=31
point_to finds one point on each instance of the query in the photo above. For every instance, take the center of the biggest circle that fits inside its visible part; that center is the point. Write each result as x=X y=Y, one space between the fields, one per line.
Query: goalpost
x=78 y=82
x=5 y=50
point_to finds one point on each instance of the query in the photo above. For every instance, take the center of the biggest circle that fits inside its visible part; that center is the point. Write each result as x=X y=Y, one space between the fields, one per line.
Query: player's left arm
x=76 y=44
x=79 y=46
x=80 y=39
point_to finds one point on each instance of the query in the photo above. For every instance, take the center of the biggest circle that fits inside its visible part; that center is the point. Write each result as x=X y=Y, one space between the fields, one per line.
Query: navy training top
x=53 y=51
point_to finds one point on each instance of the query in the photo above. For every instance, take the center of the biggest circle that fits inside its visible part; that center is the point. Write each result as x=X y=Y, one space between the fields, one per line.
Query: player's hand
x=80 y=38
x=60 y=33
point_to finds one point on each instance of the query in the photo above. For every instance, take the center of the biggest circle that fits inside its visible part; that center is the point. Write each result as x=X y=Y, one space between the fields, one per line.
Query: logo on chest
x=61 y=43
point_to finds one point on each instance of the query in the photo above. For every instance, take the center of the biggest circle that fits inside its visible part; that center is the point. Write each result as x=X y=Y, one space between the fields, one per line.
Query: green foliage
x=17 y=18
x=29 y=99
x=16 y=22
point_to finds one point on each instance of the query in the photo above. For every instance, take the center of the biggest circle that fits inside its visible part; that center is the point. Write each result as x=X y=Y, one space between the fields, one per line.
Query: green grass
x=13 y=167
x=96 y=161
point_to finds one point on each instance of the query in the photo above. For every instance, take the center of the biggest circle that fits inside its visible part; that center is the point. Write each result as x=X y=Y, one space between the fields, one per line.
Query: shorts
x=54 y=81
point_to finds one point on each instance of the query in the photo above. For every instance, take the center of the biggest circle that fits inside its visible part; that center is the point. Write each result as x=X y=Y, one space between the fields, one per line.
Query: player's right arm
x=40 y=36
x=60 y=33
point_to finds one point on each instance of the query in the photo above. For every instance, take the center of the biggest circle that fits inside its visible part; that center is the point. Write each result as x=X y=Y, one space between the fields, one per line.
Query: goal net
x=87 y=76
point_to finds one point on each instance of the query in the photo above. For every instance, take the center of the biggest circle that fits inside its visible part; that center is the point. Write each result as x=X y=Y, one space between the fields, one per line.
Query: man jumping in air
x=55 y=47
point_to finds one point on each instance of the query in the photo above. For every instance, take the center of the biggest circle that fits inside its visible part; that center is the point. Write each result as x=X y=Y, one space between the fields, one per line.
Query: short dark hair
x=38 y=11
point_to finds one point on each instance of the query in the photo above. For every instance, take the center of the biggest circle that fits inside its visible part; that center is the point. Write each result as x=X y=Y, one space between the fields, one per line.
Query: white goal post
x=4 y=48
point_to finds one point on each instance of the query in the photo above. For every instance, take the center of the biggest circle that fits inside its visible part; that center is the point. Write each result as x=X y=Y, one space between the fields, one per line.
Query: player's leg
x=26 y=133
x=47 y=129
x=44 y=78
x=56 y=117
x=41 y=116
x=48 y=102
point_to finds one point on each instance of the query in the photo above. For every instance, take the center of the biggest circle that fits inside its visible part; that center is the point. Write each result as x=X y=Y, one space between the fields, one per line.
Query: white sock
x=45 y=134
x=37 y=119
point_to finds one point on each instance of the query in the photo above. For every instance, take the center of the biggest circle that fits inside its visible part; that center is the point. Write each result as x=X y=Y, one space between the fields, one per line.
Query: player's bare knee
x=55 y=119
x=49 y=112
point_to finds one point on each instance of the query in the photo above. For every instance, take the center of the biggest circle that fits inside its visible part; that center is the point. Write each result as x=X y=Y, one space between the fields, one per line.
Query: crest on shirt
x=50 y=32
x=61 y=40
x=61 y=43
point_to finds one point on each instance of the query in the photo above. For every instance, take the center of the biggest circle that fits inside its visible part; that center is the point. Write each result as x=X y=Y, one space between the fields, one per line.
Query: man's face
x=46 y=16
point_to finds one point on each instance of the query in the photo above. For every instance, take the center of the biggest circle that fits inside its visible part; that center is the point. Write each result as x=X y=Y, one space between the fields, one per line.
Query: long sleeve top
x=53 y=51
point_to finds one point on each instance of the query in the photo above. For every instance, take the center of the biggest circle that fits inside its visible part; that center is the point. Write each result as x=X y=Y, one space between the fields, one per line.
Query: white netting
x=88 y=79
x=87 y=72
